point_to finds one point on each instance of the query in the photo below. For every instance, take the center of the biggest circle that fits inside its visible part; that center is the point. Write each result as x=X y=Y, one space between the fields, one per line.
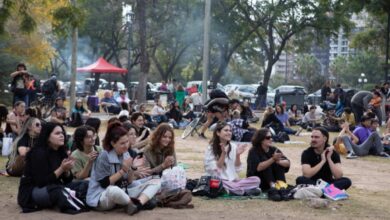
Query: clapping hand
x=241 y=148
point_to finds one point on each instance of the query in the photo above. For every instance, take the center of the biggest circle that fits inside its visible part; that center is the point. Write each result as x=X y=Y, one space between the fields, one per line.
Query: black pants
x=342 y=183
x=357 y=111
x=272 y=174
x=247 y=137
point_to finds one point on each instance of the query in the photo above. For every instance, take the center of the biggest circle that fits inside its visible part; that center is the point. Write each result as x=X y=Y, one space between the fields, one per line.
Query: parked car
x=151 y=90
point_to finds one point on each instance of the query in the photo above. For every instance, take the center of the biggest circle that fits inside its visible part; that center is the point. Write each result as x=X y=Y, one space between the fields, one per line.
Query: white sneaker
x=352 y=155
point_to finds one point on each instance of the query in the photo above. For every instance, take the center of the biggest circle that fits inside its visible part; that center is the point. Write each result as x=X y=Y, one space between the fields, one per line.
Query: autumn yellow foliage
x=35 y=48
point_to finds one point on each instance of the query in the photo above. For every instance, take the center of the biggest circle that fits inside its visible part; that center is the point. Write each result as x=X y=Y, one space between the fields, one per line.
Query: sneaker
x=151 y=204
x=252 y=192
x=352 y=155
x=133 y=207
x=202 y=136
x=384 y=154
x=273 y=194
x=284 y=194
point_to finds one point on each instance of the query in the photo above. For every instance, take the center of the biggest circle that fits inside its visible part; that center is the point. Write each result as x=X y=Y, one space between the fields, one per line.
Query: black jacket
x=39 y=172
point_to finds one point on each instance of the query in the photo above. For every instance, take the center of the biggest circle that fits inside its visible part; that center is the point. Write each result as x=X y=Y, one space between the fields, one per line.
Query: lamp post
x=362 y=80
x=129 y=18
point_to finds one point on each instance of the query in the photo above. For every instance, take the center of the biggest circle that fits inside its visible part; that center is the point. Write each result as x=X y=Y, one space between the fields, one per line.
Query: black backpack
x=49 y=87
x=210 y=186
x=217 y=93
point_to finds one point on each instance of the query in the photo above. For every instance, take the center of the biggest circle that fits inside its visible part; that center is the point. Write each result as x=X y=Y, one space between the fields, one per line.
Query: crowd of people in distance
x=124 y=169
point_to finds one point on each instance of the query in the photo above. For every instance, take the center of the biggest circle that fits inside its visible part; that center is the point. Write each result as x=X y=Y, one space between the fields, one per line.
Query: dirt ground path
x=369 y=195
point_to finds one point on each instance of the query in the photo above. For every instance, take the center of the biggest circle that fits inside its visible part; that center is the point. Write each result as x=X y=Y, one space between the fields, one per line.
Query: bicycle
x=194 y=125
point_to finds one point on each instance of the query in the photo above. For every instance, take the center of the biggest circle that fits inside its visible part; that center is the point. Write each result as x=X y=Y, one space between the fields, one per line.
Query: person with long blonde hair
x=22 y=144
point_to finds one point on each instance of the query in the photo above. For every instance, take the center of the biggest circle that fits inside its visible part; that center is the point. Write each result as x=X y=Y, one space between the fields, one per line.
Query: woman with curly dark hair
x=222 y=159
x=86 y=151
x=160 y=154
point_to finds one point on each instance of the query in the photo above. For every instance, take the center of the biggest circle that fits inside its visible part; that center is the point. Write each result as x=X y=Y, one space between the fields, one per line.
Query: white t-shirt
x=229 y=172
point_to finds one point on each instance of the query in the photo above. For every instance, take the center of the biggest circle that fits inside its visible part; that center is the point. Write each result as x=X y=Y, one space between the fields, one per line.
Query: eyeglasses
x=37 y=124
x=268 y=137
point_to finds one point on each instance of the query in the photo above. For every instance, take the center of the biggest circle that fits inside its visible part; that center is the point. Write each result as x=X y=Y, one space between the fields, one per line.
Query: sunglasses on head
x=268 y=137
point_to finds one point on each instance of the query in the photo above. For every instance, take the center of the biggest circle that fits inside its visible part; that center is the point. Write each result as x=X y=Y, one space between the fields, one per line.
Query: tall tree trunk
x=73 y=64
x=145 y=63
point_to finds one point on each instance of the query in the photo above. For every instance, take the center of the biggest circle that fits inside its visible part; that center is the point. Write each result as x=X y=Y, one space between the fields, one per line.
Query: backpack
x=176 y=198
x=49 y=86
x=210 y=186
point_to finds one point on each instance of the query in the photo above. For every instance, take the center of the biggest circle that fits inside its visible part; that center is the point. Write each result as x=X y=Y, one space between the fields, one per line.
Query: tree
x=284 y=19
x=308 y=69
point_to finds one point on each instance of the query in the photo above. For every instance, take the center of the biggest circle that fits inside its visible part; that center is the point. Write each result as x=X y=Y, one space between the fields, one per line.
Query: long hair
x=24 y=131
x=215 y=141
x=47 y=129
x=281 y=109
x=114 y=132
x=79 y=134
x=325 y=133
x=258 y=139
x=3 y=113
x=156 y=137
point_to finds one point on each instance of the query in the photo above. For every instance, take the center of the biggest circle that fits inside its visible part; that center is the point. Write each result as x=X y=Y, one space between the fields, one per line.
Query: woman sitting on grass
x=222 y=159
x=113 y=174
x=269 y=164
x=47 y=173
x=137 y=119
x=86 y=151
x=160 y=154
x=22 y=144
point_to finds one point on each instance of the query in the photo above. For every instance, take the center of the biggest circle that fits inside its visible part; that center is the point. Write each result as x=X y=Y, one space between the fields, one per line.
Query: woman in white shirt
x=222 y=159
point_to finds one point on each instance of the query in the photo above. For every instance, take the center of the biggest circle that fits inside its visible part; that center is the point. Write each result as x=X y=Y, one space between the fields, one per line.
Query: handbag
x=210 y=186
x=17 y=168
x=177 y=199
x=7 y=146
x=173 y=178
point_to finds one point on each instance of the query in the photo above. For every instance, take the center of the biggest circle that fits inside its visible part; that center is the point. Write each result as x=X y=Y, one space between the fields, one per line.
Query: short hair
x=135 y=116
x=79 y=134
x=365 y=118
x=313 y=107
x=17 y=103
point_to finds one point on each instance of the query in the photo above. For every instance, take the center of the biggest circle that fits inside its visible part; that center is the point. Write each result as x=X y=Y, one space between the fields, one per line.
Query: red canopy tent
x=101 y=66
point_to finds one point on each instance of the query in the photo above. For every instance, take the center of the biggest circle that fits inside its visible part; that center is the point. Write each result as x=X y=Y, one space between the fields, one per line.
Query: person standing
x=261 y=101
x=325 y=91
x=359 y=103
x=18 y=84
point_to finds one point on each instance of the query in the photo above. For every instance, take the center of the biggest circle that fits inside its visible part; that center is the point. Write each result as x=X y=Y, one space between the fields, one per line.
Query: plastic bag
x=7 y=146
x=173 y=179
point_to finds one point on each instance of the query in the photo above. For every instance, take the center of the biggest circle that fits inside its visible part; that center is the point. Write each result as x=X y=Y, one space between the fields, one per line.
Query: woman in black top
x=22 y=144
x=268 y=163
x=47 y=172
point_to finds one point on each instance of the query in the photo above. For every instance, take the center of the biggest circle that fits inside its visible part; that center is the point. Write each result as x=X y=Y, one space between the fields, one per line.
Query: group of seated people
x=120 y=175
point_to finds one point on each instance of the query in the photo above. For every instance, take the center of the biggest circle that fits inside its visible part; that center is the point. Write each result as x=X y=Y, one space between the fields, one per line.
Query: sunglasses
x=37 y=124
x=268 y=137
